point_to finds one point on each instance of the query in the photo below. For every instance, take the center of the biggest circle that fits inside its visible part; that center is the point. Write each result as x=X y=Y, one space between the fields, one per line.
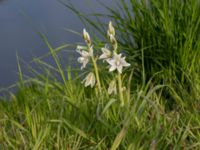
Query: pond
x=19 y=18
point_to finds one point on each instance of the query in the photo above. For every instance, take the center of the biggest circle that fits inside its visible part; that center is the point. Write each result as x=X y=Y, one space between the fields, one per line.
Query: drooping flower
x=106 y=54
x=117 y=62
x=112 y=87
x=85 y=56
x=89 y=80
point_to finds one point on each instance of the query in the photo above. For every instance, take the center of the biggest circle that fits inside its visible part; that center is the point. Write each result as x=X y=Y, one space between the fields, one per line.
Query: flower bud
x=112 y=87
x=113 y=42
x=89 y=80
x=86 y=37
x=111 y=30
x=112 y=39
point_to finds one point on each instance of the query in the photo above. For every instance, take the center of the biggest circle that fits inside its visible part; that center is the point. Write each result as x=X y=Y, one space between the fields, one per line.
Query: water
x=17 y=19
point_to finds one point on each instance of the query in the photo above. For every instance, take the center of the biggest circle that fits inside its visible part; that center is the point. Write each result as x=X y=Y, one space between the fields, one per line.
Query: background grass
x=161 y=39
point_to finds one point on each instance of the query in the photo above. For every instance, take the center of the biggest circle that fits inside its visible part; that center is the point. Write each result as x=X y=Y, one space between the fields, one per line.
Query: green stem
x=96 y=73
x=120 y=89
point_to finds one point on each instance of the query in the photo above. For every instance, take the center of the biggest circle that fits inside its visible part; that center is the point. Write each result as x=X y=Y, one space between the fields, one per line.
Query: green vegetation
x=161 y=41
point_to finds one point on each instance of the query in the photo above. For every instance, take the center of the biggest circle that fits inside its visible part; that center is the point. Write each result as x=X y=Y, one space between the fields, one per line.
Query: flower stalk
x=88 y=41
x=121 y=96
x=117 y=62
x=96 y=73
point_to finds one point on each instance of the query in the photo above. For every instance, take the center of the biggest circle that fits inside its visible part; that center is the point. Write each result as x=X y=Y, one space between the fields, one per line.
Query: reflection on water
x=17 y=35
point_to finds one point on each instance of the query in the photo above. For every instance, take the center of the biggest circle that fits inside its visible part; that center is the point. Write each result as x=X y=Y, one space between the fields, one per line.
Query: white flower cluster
x=114 y=59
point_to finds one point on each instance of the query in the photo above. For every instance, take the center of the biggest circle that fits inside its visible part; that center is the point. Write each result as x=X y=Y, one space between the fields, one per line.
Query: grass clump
x=152 y=104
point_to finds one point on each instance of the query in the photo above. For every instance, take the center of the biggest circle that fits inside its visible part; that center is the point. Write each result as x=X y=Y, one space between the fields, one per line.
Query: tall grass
x=161 y=39
x=157 y=36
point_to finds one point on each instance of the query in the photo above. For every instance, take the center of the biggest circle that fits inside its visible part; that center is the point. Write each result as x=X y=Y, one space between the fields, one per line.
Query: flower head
x=112 y=87
x=85 y=56
x=89 y=80
x=117 y=62
x=106 y=54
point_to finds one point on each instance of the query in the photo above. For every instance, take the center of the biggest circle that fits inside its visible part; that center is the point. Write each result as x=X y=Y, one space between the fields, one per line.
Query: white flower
x=85 y=55
x=117 y=62
x=112 y=87
x=106 y=54
x=84 y=59
x=89 y=80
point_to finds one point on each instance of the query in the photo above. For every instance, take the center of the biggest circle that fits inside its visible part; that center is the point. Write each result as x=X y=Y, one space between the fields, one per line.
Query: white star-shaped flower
x=85 y=56
x=106 y=54
x=89 y=80
x=117 y=62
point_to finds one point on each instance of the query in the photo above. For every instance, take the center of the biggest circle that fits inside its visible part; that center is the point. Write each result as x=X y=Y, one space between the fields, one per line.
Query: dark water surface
x=17 y=18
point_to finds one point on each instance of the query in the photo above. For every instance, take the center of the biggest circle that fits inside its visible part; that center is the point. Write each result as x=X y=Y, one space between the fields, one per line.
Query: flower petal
x=79 y=47
x=105 y=53
x=111 y=62
x=80 y=59
x=119 y=68
x=112 y=68
x=85 y=53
